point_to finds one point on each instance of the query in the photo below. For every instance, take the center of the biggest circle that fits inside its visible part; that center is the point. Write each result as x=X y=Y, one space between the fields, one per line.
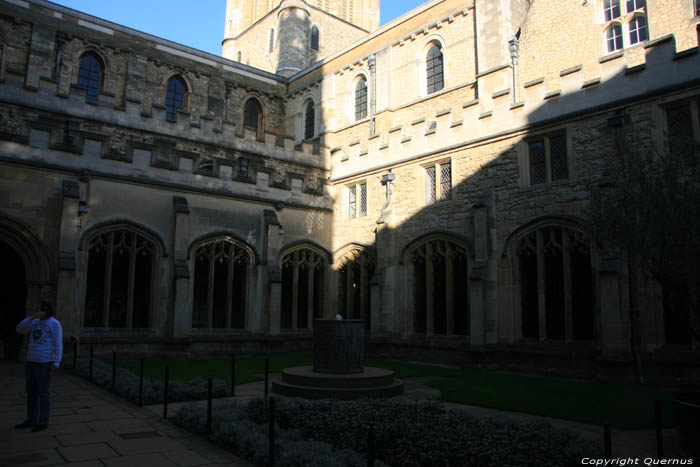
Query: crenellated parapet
x=453 y=119
x=121 y=125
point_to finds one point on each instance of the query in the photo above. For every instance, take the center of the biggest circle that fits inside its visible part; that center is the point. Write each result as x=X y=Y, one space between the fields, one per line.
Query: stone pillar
x=429 y=291
x=41 y=46
x=270 y=277
x=339 y=346
x=541 y=289
x=181 y=309
x=614 y=314
x=66 y=299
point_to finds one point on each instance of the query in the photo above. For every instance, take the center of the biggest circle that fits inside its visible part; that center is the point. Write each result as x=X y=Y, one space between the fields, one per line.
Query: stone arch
x=222 y=279
x=552 y=261
x=354 y=266
x=438 y=265
x=304 y=267
x=120 y=263
x=253 y=116
x=27 y=278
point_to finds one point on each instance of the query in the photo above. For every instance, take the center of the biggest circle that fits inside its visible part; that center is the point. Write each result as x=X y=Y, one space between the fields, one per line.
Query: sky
x=198 y=24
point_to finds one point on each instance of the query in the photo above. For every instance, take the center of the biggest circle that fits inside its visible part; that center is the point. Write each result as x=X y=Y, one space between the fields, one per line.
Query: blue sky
x=198 y=24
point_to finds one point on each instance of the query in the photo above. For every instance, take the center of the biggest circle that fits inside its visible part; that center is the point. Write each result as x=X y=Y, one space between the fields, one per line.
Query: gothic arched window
x=556 y=284
x=309 y=119
x=441 y=292
x=118 y=292
x=90 y=75
x=252 y=116
x=314 y=38
x=303 y=279
x=361 y=99
x=355 y=270
x=175 y=97
x=434 y=70
x=220 y=284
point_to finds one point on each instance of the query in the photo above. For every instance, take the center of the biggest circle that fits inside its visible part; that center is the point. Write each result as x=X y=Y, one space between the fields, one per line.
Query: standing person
x=43 y=357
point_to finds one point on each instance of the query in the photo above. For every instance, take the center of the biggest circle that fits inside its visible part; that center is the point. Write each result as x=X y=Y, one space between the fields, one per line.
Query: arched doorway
x=13 y=296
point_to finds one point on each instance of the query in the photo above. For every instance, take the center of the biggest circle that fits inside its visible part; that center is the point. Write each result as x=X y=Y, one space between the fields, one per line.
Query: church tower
x=241 y=14
x=286 y=36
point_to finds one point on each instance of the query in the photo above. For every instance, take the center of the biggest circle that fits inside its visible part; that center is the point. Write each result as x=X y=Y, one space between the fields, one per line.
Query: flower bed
x=331 y=432
x=127 y=384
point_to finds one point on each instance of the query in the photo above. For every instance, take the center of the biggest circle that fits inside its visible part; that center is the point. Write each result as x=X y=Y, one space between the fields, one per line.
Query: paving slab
x=89 y=427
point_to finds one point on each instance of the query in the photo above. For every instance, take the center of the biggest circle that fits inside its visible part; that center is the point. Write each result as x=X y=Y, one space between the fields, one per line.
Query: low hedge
x=407 y=434
x=127 y=384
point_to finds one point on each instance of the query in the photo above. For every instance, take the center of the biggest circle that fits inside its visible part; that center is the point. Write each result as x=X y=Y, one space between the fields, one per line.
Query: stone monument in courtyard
x=338 y=366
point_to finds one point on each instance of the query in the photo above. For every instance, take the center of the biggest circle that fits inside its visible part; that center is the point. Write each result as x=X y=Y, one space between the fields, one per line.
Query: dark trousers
x=38 y=380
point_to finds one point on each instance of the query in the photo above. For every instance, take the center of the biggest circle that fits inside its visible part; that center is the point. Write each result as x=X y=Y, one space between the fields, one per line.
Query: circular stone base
x=304 y=382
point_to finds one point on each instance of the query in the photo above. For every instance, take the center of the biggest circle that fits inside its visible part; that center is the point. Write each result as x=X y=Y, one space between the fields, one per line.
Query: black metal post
x=141 y=383
x=659 y=430
x=165 y=392
x=91 y=355
x=607 y=441
x=271 y=447
x=370 y=445
x=267 y=371
x=75 y=353
x=114 y=370
x=233 y=375
x=209 y=386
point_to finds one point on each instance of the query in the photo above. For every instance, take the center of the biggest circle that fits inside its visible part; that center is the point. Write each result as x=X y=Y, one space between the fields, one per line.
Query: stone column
x=614 y=310
x=429 y=291
x=66 y=300
x=541 y=289
x=269 y=288
x=182 y=306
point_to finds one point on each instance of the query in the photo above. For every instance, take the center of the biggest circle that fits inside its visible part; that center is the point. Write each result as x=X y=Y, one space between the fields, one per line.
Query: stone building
x=429 y=176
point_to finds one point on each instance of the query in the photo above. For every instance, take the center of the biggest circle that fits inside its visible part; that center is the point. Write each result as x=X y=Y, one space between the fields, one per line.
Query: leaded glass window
x=355 y=270
x=309 y=120
x=90 y=75
x=119 y=276
x=175 y=97
x=680 y=129
x=434 y=70
x=446 y=181
x=363 y=200
x=548 y=159
x=352 y=201
x=252 y=116
x=361 y=99
x=430 y=184
x=440 y=288
x=220 y=284
x=538 y=171
x=303 y=286
x=314 y=38
x=556 y=285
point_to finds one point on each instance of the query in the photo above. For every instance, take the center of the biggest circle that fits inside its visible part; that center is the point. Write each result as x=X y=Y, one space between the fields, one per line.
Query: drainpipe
x=373 y=100
x=514 y=45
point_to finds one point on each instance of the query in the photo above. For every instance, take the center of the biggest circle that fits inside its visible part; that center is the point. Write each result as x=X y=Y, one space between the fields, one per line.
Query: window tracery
x=303 y=285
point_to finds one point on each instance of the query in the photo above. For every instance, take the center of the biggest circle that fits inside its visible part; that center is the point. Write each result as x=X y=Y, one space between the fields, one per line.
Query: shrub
x=127 y=384
x=406 y=434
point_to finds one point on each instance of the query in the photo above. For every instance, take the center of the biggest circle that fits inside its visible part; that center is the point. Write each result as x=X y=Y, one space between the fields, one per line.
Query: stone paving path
x=91 y=427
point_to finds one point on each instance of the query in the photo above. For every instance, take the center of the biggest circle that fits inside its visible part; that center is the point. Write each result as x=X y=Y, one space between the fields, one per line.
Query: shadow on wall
x=502 y=254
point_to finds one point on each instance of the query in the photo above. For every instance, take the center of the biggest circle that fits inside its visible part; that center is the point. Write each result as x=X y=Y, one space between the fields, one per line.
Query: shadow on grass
x=583 y=401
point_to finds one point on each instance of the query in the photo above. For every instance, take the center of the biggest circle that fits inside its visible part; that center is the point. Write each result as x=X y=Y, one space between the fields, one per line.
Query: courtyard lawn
x=584 y=401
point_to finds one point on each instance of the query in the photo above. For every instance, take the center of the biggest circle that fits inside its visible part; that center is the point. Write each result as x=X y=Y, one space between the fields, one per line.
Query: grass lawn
x=584 y=401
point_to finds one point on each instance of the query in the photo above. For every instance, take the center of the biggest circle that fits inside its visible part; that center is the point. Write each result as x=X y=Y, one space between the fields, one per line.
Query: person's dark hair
x=45 y=306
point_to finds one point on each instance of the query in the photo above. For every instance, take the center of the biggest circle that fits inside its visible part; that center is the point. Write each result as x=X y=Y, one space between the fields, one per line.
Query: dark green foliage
x=407 y=434
x=127 y=384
